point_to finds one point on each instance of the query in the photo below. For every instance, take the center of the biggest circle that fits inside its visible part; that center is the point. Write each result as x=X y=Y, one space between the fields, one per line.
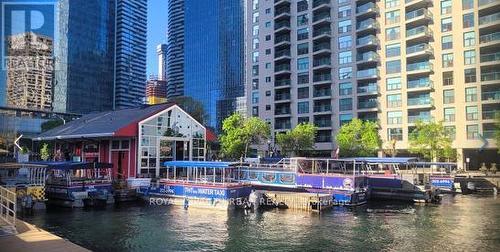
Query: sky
x=157 y=32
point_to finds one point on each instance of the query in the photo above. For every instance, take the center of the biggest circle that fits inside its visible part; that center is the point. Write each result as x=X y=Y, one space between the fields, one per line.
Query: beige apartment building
x=30 y=71
x=392 y=61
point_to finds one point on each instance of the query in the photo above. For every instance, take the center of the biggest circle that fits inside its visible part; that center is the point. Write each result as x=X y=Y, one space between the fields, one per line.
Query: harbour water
x=459 y=223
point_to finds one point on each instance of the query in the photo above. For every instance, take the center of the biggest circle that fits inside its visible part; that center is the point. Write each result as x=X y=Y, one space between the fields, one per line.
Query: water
x=463 y=223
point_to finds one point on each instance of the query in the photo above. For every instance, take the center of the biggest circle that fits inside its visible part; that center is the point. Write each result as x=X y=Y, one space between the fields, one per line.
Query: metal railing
x=418 y=48
x=490 y=57
x=8 y=206
x=366 y=7
x=418 y=13
x=490 y=76
x=420 y=83
x=418 y=30
x=489 y=37
x=489 y=19
x=490 y=96
x=367 y=40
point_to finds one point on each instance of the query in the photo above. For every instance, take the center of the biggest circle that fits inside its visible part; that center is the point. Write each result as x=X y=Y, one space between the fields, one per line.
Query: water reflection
x=459 y=223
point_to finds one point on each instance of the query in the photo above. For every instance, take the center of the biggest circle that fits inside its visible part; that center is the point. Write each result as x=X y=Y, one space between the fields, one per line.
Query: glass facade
x=213 y=49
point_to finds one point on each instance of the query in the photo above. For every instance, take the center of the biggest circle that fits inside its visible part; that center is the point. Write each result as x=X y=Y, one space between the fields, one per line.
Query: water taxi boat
x=197 y=184
x=78 y=184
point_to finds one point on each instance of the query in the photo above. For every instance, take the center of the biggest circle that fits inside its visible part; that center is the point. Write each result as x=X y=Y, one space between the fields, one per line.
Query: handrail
x=8 y=206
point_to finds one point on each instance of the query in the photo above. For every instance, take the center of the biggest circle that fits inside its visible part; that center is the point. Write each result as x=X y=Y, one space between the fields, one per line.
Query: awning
x=51 y=165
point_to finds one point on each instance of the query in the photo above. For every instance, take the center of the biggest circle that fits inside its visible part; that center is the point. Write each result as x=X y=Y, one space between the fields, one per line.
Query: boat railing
x=8 y=202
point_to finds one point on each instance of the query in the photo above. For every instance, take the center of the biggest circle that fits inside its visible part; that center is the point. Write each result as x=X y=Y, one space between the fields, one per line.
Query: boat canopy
x=439 y=164
x=200 y=164
x=68 y=165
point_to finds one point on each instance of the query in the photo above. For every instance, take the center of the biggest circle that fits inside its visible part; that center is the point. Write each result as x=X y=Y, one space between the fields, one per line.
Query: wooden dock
x=313 y=202
x=32 y=238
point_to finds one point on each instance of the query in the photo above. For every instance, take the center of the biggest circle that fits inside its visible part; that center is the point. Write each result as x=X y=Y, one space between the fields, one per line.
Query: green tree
x=45 y=152
x=297 y=141
x=239 y=133
x=192 y=107
x=359 y=138
x=431 y=140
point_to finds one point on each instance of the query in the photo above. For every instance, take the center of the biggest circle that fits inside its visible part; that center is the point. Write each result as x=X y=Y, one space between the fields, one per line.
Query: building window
x=345 y=118
x=303 y=64
x=268 y=79
x=344 y=11
x=302 y=33
x=268 y=11
x=255 y=57
x=303 y=107
x=446 y=25
x=448 y=96
x=448 y=60
x=468 y=20
x=393 y=50
x=392 y=33
x=255 y=17
x=255 y=4
x=255 y=70
x=345 y=26
x=302 y=48
x=469 y=57
x=255 y=84
x=393 y=83
x=268 y=107
x=470 y=75
x=467 y=4
x=303 y=119
x=445 y=7
x=394 y=101
x=447 y=42
x=472 y=113
x=255 y=30
x=302 y=20
x=255 y=43
x=345 y=104
x=345 y=57
x=471 y=94
x=395 y=134
x=448 y=78
x=268 y=24
x=303 y=78
x=393 y=66
x=255 y=97
x=472 y=131
x=394 y=117
x=268 y=93
x=303 y=93
x=391 y=3
x=268 y=65
x=392 y=17
x=469 y=39
x=450 y=130
x=345 y=73
x=345 y=88
x=449 y=114
x=345 y=42
x=268 y=51
x=268 y=37
x=302 y=6
x=255 y=111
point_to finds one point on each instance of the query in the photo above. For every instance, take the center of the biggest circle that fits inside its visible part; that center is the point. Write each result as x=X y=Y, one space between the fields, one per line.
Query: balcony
x=282 y=97
x=282 y=40
x=420 y=102
x=282 y=126
x=322 y=78
x=282 y=26
x=320 y=4
x=490 y=57
x=367 y=9
x=282 y=83
x=367 y=57
x=370 y=89
x=323 y=123
x=422 y=118
x=322 y=48
x=419 y=50
x=418 y=16
x=322 y=63
x=322 y=33
x=485 y=4
x=493 y=19
x=419 y=33
x=282 y=68
x=490 y=96
x=419 y=67
x=280 y=2
x=368 y=105
x=489 y=114
x=412 y=4
x=282 y=13
x=322 y=93
x=282 y=111
x=322 y=18
x=371 y=73
x=367 y=25
x=490 y=76
x=322 y=108
x=492 y=38
x=367 y=41
x=283 y=54
x=422 y=84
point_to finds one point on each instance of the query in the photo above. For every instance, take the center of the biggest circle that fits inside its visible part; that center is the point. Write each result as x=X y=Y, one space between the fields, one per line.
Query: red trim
x=131 y=130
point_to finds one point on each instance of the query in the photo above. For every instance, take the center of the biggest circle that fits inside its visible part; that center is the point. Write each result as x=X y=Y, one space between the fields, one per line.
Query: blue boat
x=77 y=184
x=200 y=184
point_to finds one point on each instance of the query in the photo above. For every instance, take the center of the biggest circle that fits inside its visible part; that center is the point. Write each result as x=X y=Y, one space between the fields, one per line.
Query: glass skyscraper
x=212 y=49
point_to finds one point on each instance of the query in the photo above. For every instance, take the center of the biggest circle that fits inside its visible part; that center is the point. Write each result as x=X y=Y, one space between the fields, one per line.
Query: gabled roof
x=121 y=122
